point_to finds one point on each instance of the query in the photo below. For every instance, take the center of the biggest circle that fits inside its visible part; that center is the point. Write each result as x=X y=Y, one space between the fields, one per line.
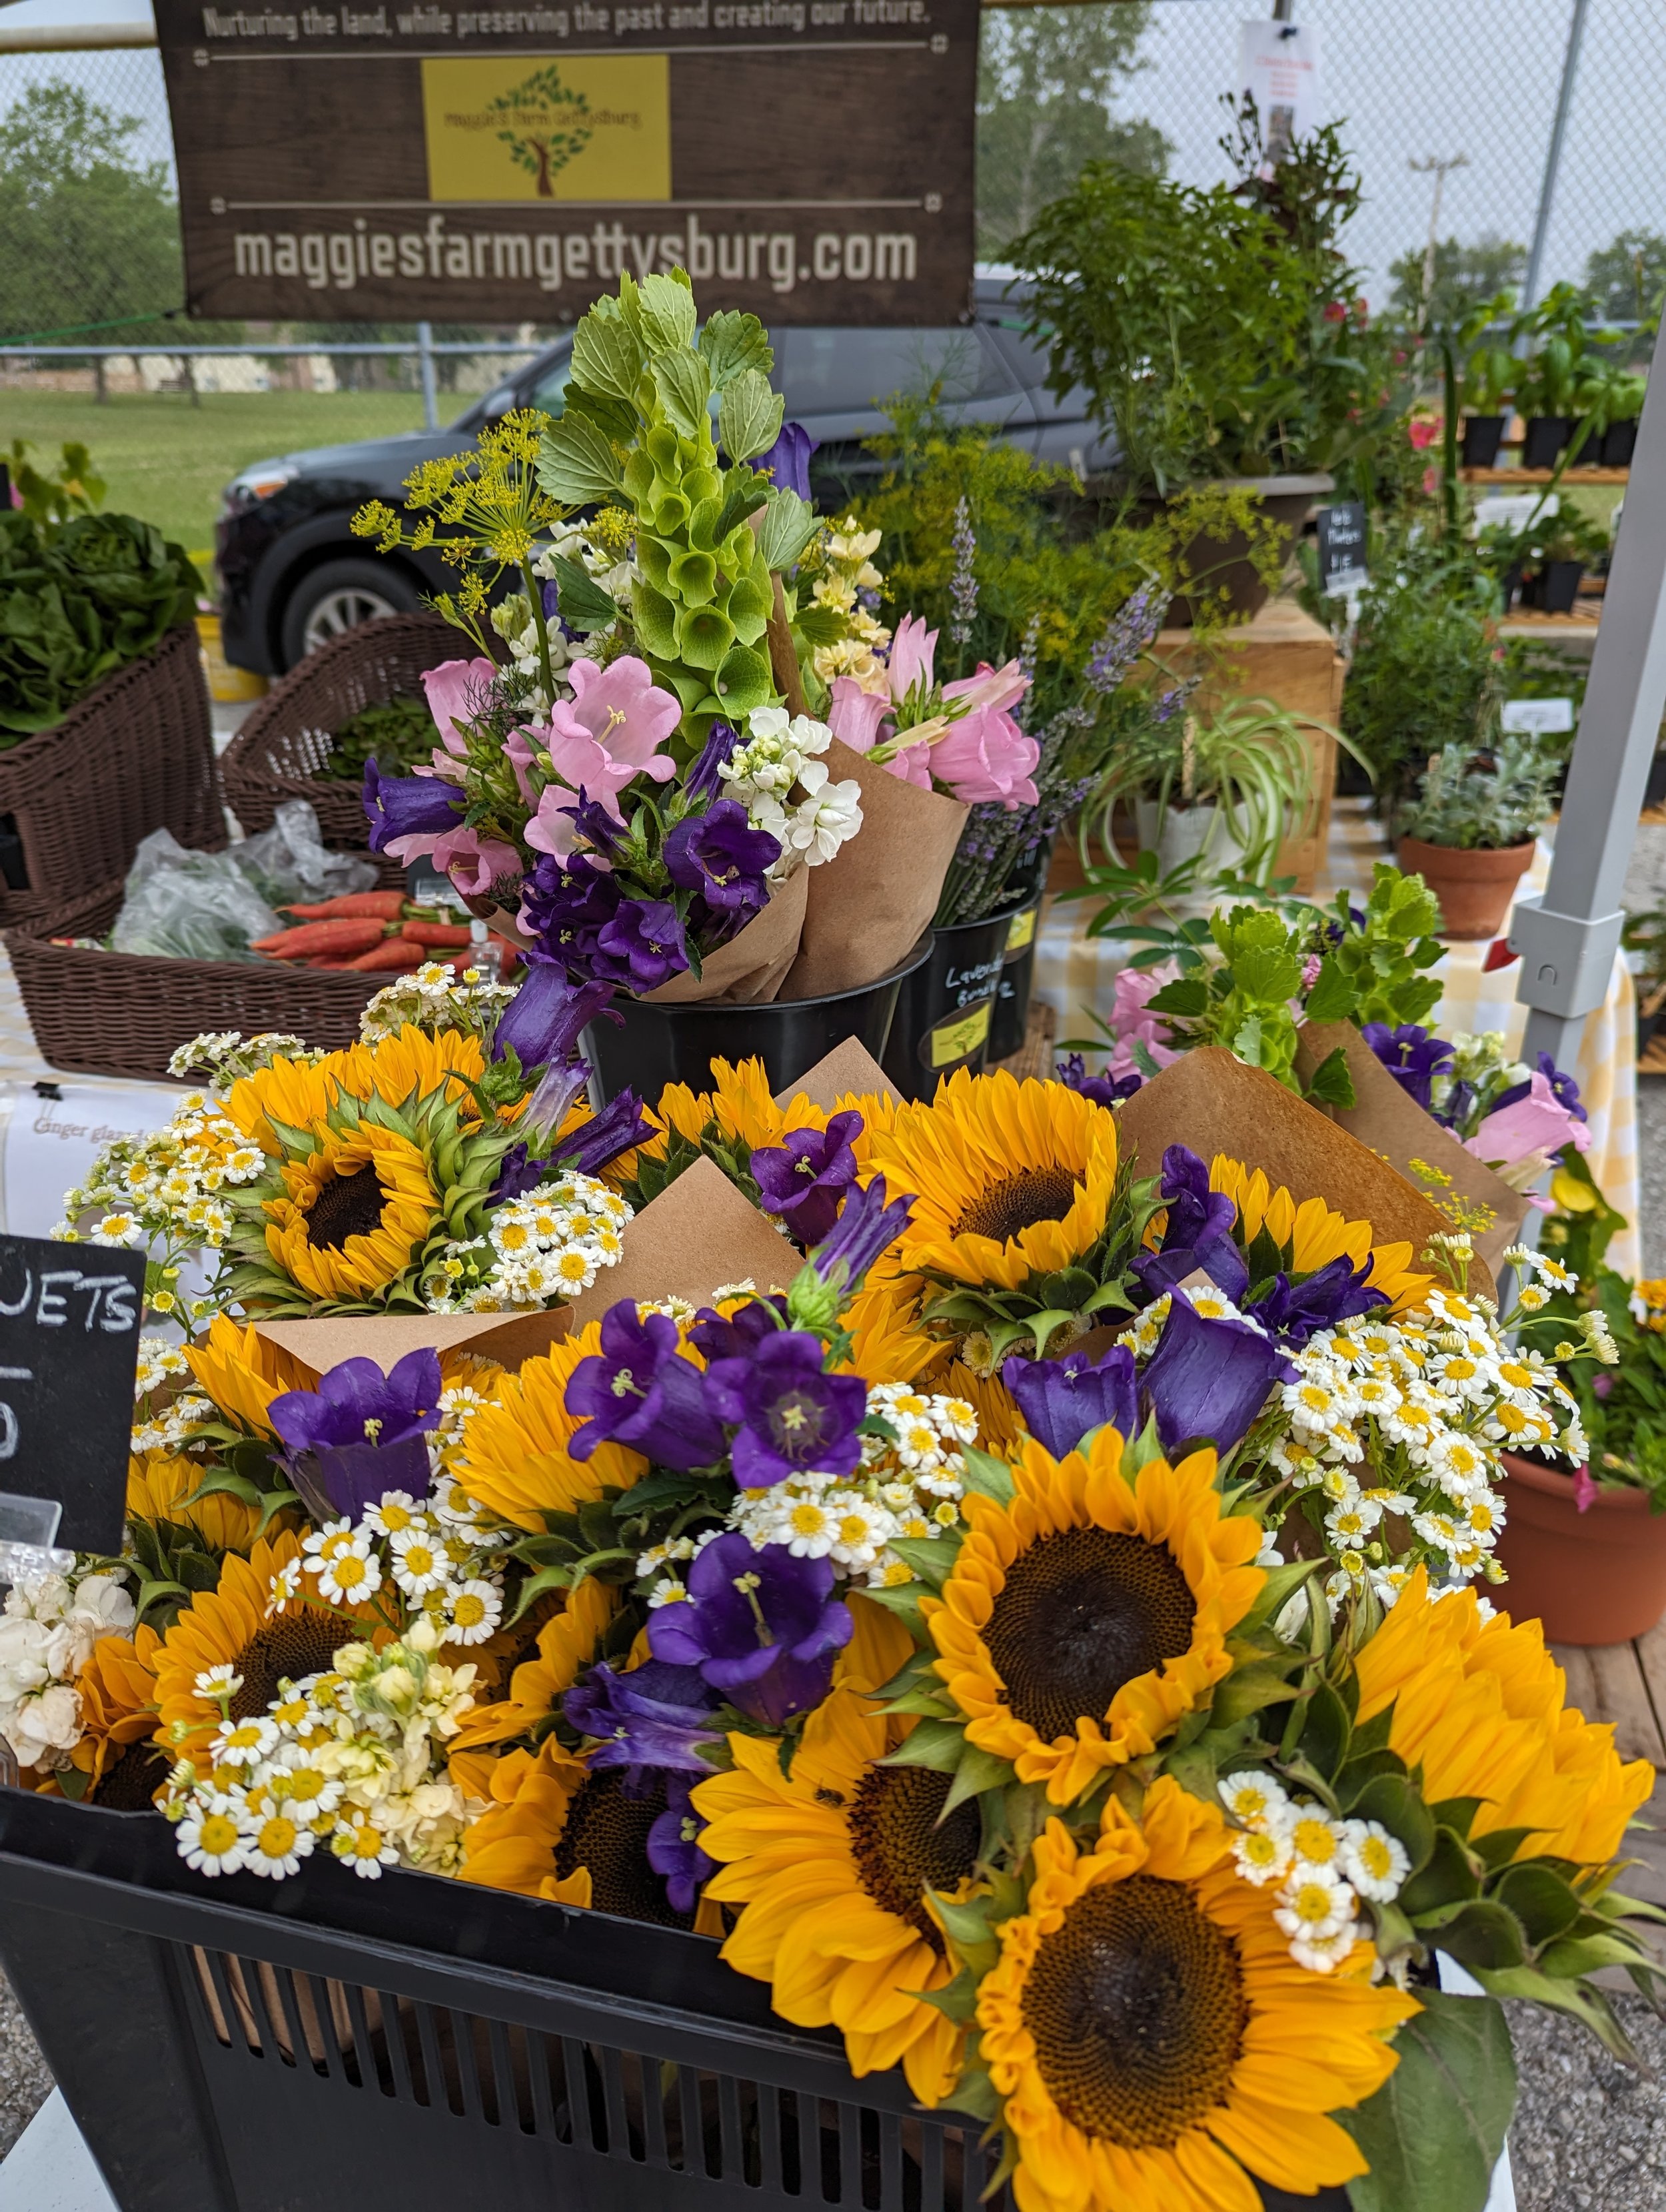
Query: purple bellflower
x=793 y=1418
x=409 y=806
x=548 y=1015
x=1411 y=1055
x=803 y=1177
x=642 y=946
x=1062 y=1400
x=657 y=1716
x=565 y=907
x=1198 y=1234
x=763 y=1627
x=361 y=1433
x=719 y=856
x=639 y=1391
x=866 y=1226
x=1563 y=1089
x=673 y=1848
x=1207 y=1380
x=704 y=779
x=787 y=460
x=738 y=1335
x=1338 y=1291
x=1103 y=1090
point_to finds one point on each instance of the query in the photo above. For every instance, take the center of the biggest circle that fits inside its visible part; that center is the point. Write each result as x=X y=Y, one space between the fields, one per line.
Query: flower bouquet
x=987 y=1690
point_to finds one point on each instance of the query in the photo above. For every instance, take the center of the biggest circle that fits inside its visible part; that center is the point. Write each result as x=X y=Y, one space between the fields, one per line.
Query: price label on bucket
x=957 y=1038
x=1022 y=933
x=69 y=1349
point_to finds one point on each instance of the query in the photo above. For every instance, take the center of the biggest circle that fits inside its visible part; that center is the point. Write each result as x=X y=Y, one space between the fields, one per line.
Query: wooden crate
x=1284 y=655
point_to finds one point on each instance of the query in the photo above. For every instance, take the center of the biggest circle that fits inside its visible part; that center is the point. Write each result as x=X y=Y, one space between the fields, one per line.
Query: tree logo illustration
x=548 y=125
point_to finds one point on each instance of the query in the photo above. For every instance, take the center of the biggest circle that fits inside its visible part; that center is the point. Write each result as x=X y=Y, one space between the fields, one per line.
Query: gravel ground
x=1589 y=2134
x=1651 y=1167
x=24 y=2081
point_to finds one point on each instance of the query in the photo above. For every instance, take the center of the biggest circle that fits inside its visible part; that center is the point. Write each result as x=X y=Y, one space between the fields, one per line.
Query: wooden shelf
x=1527 y=478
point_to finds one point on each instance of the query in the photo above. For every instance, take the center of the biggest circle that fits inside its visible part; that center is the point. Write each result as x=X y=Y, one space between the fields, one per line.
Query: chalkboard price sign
x=69 y=1350
x=1342 y=546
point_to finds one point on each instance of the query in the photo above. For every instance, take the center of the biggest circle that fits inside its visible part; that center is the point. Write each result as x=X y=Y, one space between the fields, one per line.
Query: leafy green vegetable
x=79 y=600
x=396 y=736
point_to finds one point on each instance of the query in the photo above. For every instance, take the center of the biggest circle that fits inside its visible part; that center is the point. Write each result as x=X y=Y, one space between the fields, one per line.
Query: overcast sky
x=1420 y=77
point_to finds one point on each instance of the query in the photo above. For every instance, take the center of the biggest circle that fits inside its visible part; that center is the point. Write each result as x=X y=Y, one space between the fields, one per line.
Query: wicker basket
x=277 y=753
x=136 y=754
x=124 y=1013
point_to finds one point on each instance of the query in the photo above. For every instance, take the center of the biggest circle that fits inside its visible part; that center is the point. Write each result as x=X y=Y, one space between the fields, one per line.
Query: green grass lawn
x=164 y=459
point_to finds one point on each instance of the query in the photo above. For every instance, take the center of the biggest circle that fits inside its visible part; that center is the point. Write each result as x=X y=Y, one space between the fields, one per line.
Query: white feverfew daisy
x=1256 y=1800
x=1262 y=1854
x=418 y=1564
x=396 y=1509
x=210 y=1840
x=1374 y=1862
x=1324 y=1956
x=1313 y=1906
x=244 y=1743
x=1315 y=1840
x=473 y=1612
x=277 y=1843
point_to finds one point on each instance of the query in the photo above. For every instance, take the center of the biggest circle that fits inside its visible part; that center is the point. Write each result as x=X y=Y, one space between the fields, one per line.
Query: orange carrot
x=397 y=952
x=437 y=932
x=382 y=906
x=350 y=934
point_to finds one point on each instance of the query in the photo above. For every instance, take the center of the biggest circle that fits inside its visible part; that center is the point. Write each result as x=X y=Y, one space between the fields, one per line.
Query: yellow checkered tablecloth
x=1076 y=976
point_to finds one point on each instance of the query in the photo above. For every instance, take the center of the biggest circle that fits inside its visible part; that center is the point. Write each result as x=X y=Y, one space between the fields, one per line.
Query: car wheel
x=337 y=597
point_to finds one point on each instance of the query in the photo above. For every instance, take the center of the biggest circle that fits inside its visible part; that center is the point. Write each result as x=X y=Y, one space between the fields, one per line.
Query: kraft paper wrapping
x=848 y=1071
x=697 y=1236
x=387 y=1338
x=1383 y=1117
x=870 y=903
x=1211 y=1102
x=751 y=969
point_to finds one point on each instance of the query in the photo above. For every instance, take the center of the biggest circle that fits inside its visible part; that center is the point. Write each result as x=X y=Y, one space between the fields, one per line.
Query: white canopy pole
x=1567 y=938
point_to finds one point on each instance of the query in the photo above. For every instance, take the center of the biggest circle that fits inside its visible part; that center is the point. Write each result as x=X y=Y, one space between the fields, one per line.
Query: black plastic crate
x=246 y=2046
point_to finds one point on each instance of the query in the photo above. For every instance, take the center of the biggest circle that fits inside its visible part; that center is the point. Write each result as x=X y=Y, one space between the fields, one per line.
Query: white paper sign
x=1515 y=510
x=1538 y=717
x=50 y=1143
x=1279 y=69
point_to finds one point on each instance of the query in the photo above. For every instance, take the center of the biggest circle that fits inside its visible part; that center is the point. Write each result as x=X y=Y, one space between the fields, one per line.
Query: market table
x=1076 y=974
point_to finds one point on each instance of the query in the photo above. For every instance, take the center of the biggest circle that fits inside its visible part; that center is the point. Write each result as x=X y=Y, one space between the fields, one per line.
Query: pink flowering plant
x=960 y=737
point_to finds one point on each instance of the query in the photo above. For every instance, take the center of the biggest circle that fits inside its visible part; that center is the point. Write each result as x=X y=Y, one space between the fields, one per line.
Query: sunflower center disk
x=1137 y=2007
x=286 y=1650
x=348 y=1206
x=607 y=1831
x=1084 y=1613
x=1006 y=1209
x=130 y=1783
x=899 y=1850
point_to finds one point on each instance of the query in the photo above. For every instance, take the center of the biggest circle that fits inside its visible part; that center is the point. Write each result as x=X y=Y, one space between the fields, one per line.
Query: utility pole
x=1436 y=167
x=1536 y=256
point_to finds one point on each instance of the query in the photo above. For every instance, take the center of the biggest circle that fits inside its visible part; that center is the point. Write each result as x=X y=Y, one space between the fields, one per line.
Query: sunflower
x=1079 y=1623
x=242 y=1373
x=1311 y=1234
x=558 y=1830
x=887 y=1345
x=832 y=1866
x=357 y=1210
x=514 y=1458
x=738 y=1111
x=1482 y=1707
x=568 y=1643
x=1010 y=1179
x=234 y=1624
x=117 y=1752
x=399 y=1069
x=1000 y=1429
x=1153 y=2038
x=159 y=1482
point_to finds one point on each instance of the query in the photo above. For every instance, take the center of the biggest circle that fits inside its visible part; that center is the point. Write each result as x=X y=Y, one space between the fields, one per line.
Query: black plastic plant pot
x=655 y=1045
x=945 y=1008
x=1010 y=1020
x=1559 y=585
x=1619 y=443
x=1545 y=437
x=1654 y=792
x=1482 y=436
x=1588 y=454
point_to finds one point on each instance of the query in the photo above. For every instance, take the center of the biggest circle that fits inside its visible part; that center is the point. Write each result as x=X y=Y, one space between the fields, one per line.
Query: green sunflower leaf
x=989 y=1476
x=978 y=1770
x=931 y=1559
x=1540 y=1900
x=1446 y=1876
x=1391 y=1802
x=1434 y=2130
x=934 y=1744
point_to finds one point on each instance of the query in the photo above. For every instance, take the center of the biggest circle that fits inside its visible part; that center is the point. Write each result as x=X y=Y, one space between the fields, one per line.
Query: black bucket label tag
x=956 y=1037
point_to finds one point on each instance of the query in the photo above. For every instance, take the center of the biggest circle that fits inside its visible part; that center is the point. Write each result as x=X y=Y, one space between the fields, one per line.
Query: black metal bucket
x=1009 y=1021
x=944 y=1006
x=659 y=1044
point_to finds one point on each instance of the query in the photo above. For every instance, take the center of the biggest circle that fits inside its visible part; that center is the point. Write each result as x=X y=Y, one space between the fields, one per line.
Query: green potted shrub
x=1555 y=555
x=1487 y=380
x=1470 y=831
x=1560 y=370
x=1626 y=405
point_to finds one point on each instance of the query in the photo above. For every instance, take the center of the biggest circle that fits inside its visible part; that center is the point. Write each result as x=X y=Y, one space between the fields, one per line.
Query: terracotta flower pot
x=1593 y=1577
x=1475 y=889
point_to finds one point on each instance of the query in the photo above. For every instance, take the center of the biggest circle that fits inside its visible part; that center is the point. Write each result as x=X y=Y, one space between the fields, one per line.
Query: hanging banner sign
x=809 y=159
x=1279 y=69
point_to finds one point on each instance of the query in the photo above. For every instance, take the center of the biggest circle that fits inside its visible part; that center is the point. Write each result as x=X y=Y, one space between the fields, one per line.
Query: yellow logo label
x=953 y=1040
x=1021 y=931
x=593 y=128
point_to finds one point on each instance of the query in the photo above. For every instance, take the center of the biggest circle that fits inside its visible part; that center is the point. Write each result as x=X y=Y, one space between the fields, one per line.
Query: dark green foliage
x=396 y=736
x=76 y=604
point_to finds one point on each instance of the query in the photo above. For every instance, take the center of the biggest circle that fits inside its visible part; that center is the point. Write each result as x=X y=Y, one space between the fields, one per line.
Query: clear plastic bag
x=183 y=905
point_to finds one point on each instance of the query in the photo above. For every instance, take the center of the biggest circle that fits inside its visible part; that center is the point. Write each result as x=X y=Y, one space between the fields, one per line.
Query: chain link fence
x=1426 y=79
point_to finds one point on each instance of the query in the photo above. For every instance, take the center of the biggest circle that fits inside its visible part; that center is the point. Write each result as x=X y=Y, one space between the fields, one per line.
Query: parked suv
x=292 y=575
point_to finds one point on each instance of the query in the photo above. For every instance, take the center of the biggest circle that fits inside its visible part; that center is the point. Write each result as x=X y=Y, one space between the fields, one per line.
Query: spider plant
x=1248 y=764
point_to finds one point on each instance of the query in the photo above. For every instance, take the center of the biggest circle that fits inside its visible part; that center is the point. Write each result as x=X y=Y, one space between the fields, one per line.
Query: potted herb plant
x=1555 y=555
x=1487 y=380
x=1561 y=373
x=1470 y=831
x=1625 y=406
